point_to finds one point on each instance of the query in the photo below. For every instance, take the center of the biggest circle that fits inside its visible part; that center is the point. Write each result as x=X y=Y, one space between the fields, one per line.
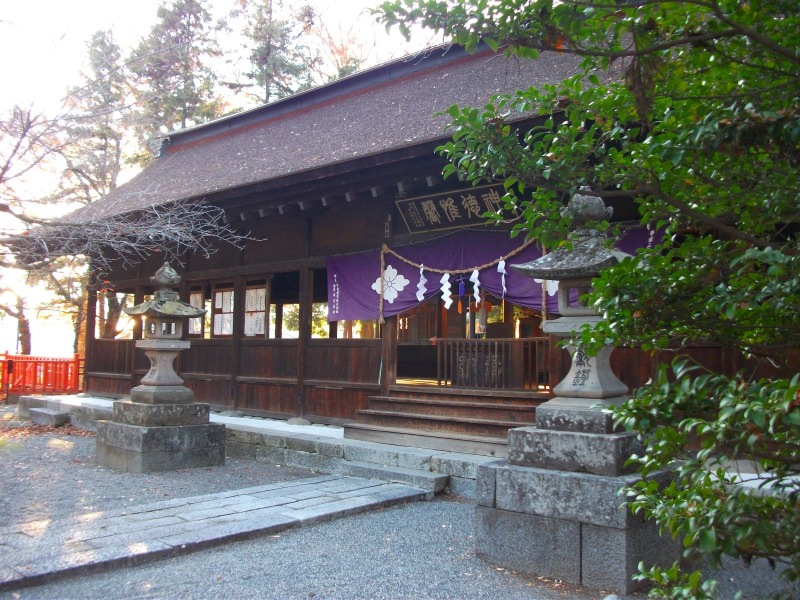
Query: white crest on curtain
x=446 y=296
x=421 y=289
x=501 y=268
x=393 y=284
x=476 y=286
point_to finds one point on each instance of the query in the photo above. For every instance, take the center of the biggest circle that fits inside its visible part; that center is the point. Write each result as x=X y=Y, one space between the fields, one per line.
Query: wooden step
x=480 y=394
x=508 y=411
x=450 y=423
x=442 y=440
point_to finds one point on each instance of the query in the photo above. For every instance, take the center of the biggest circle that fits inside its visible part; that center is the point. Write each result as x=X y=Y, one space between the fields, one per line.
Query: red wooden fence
x=20 y=374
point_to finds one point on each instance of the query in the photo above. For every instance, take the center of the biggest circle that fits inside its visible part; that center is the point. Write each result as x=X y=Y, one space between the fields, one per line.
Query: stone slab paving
x=38 y=551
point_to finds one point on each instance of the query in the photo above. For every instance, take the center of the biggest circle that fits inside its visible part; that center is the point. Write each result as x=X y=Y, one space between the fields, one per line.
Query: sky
x=43 y=42
x=43 y=45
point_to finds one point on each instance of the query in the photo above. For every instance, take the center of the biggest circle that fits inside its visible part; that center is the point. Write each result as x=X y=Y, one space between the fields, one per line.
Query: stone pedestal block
x=529 y=544
x=158 y=415
x=138 y=449
x=600 y=454
x=562 y=525
x=571 y=414
x=609 y=557
x=162 y=394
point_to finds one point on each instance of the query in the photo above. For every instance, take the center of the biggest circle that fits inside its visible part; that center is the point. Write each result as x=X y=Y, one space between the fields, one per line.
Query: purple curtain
x=354 y=279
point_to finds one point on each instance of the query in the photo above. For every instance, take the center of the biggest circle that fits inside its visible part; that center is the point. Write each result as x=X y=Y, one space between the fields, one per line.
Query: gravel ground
x=52 y=475
x=422 y=550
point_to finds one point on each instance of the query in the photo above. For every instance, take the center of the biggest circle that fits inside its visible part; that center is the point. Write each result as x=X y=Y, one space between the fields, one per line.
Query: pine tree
x=277 y=59
x=95 y=128
x=174 y=82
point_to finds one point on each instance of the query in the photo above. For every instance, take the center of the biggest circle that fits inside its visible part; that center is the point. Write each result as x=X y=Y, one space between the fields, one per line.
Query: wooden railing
x=496 y=363
x=21 y=374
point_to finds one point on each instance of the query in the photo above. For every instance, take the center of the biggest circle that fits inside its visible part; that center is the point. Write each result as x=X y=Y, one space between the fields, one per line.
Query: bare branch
x=172 y=231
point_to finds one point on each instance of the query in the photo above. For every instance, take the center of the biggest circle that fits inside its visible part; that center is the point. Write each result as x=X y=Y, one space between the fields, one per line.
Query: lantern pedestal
x=553 y=508
x=161 y=428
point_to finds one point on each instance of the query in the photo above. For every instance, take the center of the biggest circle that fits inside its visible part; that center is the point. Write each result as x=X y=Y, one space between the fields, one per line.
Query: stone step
x=507 y=410
x=445 y=393
x=49 y=416
x=449 y=423
x=439 y=440
x=433 y=483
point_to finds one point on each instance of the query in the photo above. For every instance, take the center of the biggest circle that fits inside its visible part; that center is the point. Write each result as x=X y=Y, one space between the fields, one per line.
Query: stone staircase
x=480 y=419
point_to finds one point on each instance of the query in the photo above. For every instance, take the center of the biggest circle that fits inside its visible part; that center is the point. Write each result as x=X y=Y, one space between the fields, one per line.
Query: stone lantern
x=161 y=428
x=590 y=381
x=163 y=330
x=553 y=508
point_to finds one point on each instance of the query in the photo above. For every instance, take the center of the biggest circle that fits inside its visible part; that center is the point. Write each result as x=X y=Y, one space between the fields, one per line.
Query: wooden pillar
x=91 y=324
x=306 y=301
x=278 y=320
x=239 y=286
x=388 y=354
x=267 y=301
x=138 y=298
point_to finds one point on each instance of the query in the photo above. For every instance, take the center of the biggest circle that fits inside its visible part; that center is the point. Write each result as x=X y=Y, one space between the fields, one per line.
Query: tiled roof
x=386 y=108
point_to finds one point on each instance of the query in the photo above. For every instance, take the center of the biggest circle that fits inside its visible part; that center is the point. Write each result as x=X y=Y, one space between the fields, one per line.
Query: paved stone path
x=39 y=551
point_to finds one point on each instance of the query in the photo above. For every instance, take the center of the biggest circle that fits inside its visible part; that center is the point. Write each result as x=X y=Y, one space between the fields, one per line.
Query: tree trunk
x=108 y=330
x=77 y=324
x=23 y=329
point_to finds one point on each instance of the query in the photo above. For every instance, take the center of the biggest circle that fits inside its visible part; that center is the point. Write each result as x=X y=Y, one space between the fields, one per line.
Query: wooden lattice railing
x=496 y=363
x=22 y=374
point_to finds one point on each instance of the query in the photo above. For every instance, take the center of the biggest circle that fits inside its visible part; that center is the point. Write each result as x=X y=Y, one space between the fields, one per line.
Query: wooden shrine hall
x=373 y=294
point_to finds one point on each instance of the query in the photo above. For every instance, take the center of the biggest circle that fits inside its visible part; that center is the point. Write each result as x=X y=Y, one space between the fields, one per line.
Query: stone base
x=576 y=414
x=136 y=449
x=600 y=454
x=601 y=558
x=162 y=394
x=159 y=415
x=568 y=526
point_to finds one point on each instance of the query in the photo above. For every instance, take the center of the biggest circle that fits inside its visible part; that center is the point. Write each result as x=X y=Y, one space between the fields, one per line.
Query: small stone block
x=302 y=460
x=271 y=455
x=486 y=481
x=460 y=486
x=459 y=465
x=48 y=416
x=239 y=450
x=383 y=454
x=303 y=443
x=537 y=546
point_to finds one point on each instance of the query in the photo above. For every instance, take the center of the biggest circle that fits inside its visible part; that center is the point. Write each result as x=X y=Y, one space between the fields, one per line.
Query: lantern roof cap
x=165 y=303
x=589 y=253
